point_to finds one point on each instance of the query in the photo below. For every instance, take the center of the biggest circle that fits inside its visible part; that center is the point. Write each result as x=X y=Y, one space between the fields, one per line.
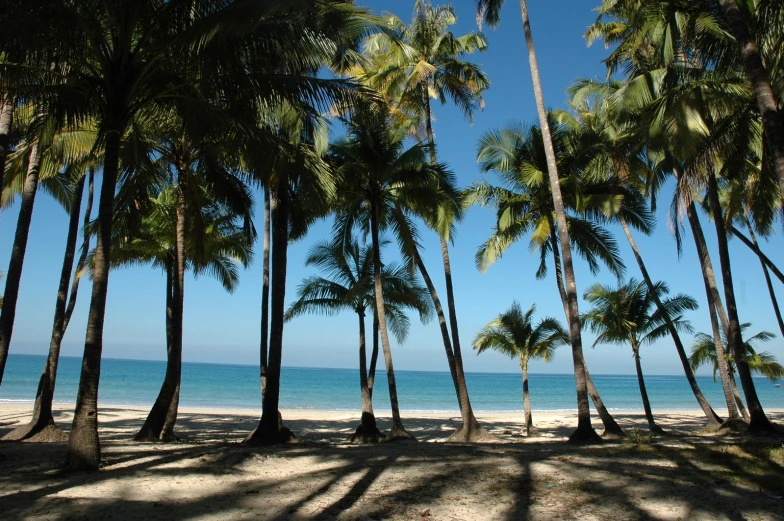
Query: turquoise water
x=134 y=382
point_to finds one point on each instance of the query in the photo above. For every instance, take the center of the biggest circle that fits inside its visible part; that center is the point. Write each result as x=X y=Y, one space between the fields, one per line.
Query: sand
x=211 y=475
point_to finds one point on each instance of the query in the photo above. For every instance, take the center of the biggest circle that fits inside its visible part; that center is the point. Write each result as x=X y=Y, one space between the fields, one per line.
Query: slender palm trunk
x=714 y=301
x=373 y=354
x=529 y=422
x=6 y=121
x=470 y=430
x=736 y=395
x=14 y=274
x=271 y=428
x=265 y=267
x=753 y=246
x=611 y=427
x=772 y=120
x=84 y=448
x=713 y=418
x=584 y=431
x=159 y=425
x=646 y=404
x=42 y=426
x=398 y=431
x=773 y=300
x=367 y=432
x=758 y=421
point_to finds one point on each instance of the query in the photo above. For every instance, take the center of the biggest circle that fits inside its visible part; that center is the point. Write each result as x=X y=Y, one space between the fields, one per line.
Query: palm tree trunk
x=611 y=427
x=373 y=355
x=6 y=121
x=772 y=121
x=271 y=428
x=753 y=246
x=84 y=449
x=470 y=430
x=584 y=431
x=646 y=404
x=714 y=302
x=265 y=267
x=758 y=421
x=159 y=425
x=529 y=422
x=738 y=399
x=42 y=427
x=14 y=274
x=398 y=431
x=713 y=418
x=367 y=432
x=768 y=282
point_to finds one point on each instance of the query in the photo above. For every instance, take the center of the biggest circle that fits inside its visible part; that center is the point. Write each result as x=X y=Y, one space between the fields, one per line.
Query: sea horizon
x=208 y=385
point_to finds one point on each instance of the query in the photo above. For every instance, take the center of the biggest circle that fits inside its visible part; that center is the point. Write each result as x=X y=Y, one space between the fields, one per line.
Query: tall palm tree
x=704 y=352
x=411 y=66
x=524 y=204
x=628 y=314
x=490 y=11
x=381 y=184
x=349 y=286
x=213 y=240
x=514 y=334
x=42 y=426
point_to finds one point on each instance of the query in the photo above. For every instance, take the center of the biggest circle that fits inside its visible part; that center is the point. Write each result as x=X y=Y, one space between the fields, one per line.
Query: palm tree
x=349 y=286
x=411 y=66
x=211 y=239
x=513 y=334
x=490 y=11
x=628 y=314
x=703 y=351
x=381 y=184
x=42 y=426
x=524 y=204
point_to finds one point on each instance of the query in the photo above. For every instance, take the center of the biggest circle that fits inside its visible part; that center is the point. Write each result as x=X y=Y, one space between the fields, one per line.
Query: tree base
x=473 y=433
x=399 y=433
x=361 y=435
x=763 y=427
x=733 y=426
x=658 y=431
x=584 y=436
x=614 y=433
x=39 y=432
x=281 y=435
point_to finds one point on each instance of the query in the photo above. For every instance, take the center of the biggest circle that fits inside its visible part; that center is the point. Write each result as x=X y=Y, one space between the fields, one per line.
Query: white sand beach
x=211 y=475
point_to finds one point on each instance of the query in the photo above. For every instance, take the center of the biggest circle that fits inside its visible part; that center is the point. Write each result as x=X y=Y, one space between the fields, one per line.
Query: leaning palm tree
x=349 y=286
x=381 y=185
x=410 y=67
x=703 y=352
x=213 y=241
x=628 y=314
x=490 y=11
x=514 y=334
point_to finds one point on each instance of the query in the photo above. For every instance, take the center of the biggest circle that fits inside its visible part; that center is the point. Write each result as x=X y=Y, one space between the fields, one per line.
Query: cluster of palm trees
x=185 y=106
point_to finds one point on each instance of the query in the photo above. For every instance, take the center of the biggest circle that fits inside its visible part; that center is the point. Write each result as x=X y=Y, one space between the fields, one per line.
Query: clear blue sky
x=225 y=328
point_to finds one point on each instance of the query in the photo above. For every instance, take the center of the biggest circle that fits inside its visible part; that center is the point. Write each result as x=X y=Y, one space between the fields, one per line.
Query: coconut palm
x=628 y=314
x=703 y=352
x=349 y=286
x=411 y=66
x=514 y=334
x=381 y=185
x=523 y=203
x=211 y=240
x=42 y=426
x=490 y=11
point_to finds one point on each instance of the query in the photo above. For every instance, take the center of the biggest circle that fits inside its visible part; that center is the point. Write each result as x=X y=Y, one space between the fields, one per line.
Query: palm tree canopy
x=513 y=333
x=628 y=313
x=703 y=351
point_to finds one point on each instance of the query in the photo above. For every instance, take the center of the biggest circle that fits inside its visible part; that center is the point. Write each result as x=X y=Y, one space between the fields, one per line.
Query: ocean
x=136 y=382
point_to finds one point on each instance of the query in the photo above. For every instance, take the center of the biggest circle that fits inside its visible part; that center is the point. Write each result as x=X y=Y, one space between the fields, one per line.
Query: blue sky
x=225 y=328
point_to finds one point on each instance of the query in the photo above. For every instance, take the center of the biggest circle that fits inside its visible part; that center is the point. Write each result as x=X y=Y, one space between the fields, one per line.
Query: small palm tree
x=628 y=314
x=513 y=334
x=349 y=286
x=703 y=351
